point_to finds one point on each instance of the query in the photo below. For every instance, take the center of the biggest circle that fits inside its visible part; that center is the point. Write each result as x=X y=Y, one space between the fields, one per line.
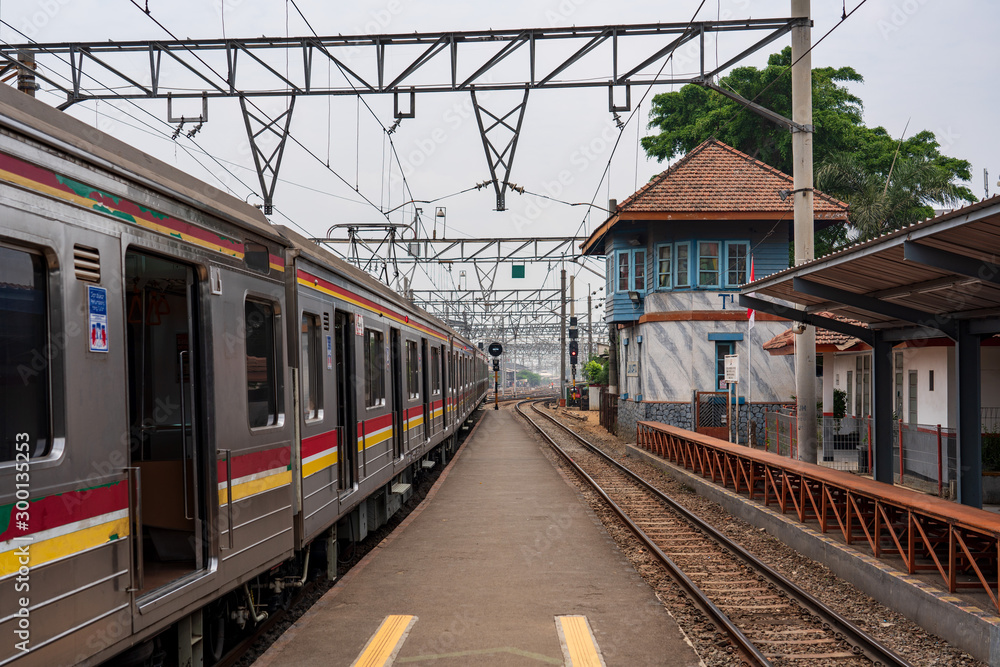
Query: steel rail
x=742 y=644
x=869 y=646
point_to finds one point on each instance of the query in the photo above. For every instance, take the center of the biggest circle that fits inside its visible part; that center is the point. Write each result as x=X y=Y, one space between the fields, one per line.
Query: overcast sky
x=929 y=62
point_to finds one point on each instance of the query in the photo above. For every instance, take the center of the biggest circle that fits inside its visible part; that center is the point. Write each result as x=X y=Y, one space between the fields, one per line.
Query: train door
x=424 y=389
x=169 y=443
x=397 y=380
x=346 y=410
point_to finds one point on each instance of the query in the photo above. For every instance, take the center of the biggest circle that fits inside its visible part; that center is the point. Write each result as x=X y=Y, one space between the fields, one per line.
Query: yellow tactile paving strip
x=579 y=646
x=382 y=648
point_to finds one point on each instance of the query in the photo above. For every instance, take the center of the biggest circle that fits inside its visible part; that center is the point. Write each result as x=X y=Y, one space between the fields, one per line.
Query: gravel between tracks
x=892 y=629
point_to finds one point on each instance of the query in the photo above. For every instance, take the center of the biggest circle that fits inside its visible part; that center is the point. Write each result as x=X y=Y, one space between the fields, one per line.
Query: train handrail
x=135 y=509
x=229 y=495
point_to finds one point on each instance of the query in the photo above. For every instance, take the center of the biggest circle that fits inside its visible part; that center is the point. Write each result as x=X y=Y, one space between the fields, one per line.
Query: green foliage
x=839 y=403
x=991 y=452
x=852 y=161
x=596 y=371
x=533 y=379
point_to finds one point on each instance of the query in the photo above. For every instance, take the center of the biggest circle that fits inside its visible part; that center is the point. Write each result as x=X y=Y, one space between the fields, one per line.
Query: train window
x=412 y=376
x=435 y=370
x=374 y=368
x=24 y=389
x=262 y=388
x=311 y=369
x=256 y=257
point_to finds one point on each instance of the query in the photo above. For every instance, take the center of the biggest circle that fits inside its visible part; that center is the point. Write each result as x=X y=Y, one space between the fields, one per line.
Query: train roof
x=323 y=256
x=25 y=115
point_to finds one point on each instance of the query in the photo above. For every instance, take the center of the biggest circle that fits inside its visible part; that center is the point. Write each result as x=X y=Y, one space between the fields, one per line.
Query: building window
x=374 y=368
x=311 y=368
x=24 y=408
x=736 y=263
x=623 y=270
x=708 y=264
x=664 y=266
x=412 y=374
x=897 y=362
x=850 y=390
x=632 y=270
x=930 y=381
x=682 y=269
x=722 y=348
x=862 y=376
x=262 y=389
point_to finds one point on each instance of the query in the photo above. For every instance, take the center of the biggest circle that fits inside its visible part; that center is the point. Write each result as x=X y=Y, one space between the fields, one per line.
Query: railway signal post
x=496 y=349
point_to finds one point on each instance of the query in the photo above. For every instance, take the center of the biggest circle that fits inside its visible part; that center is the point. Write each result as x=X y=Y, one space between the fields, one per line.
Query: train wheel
x=216 y=618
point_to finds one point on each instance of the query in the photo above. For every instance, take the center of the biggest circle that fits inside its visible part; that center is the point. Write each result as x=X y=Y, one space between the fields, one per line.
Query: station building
x=678 y=250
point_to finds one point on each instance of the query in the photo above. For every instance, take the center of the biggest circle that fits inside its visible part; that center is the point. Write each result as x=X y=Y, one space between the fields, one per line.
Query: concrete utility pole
x=562 y=338
x=590 y=327
x=802 y=172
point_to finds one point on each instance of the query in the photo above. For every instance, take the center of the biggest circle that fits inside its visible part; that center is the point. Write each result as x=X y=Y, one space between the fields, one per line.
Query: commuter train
x=195 y=405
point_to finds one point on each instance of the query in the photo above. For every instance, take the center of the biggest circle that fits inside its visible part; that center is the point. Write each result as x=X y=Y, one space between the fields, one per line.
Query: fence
x=609 y=411
x=924 y=456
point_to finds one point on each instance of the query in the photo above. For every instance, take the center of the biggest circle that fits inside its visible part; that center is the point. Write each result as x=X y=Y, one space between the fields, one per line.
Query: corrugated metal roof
x=886 y=270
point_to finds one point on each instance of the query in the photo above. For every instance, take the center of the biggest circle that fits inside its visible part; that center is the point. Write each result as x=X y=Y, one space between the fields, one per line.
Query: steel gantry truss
x=398 y=64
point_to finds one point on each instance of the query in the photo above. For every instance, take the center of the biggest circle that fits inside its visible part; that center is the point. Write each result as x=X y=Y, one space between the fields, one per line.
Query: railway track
x=767 y=619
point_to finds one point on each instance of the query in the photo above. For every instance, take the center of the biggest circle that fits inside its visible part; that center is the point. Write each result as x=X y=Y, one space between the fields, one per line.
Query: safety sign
x=97 y=306
x=329 y=353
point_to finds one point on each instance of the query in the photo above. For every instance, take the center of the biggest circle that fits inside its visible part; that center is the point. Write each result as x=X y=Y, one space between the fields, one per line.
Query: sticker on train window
x=97 y=301
x=329 y=353
x=359 y=325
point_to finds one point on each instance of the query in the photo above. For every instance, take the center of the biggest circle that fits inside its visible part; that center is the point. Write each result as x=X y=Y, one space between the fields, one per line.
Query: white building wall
x=676 y=358
x=991 y=376
x=932 y=406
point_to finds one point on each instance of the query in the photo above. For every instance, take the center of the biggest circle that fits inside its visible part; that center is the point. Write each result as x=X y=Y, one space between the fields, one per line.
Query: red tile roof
x=715 y=177
x=715 y=181
x=784 y=343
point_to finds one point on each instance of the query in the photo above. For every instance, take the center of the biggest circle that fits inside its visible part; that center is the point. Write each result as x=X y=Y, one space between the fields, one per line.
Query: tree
x=693 y=114
x=596 y=371
x=533 y=379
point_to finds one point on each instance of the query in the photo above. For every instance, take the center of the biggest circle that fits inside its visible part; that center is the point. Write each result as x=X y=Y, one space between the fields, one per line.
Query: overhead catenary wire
x=254 y=104
x=159 y=133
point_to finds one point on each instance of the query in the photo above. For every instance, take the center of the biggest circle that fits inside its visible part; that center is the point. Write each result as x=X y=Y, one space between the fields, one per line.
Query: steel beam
x=876 y=306
x=951 y=262
x=968 y=398
x=862 y=333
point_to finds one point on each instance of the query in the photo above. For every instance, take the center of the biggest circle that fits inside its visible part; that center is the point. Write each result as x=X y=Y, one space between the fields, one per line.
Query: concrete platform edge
x=968 y=627
x=274 y=651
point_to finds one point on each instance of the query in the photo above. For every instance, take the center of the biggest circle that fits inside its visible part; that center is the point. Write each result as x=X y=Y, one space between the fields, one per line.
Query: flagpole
x=749 y=382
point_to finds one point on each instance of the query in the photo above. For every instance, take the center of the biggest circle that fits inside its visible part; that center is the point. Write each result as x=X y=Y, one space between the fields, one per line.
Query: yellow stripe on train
x=255 y=486
x=61 y=546
x=320 y=463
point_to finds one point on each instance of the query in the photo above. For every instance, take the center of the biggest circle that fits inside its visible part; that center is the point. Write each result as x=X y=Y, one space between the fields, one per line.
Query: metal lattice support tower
x=213 y=68
x=267 y=164
x=500 y=158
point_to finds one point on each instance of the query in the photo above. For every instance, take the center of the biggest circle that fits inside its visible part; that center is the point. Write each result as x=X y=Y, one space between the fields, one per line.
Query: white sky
x=926 y=61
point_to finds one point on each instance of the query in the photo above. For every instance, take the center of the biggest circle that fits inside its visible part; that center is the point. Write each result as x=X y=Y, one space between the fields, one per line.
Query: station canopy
x=917 y=282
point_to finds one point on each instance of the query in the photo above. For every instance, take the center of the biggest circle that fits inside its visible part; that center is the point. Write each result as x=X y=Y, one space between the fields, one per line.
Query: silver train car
x=196 y=407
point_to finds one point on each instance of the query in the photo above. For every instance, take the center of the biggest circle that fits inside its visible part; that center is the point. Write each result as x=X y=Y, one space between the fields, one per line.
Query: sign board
x=732 y=368
x=329 y=353
x=495 y=349
x=632 y=369
x=97 y=306
x=359 y=325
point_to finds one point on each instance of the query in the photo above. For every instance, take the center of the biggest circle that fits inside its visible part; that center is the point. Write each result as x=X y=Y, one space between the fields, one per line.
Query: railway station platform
x=502 y=564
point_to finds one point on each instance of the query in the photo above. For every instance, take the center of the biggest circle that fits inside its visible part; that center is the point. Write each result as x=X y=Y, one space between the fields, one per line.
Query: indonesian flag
x=750 y=311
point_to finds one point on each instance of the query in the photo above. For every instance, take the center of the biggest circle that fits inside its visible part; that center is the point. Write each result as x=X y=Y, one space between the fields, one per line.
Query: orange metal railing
x=961 y=543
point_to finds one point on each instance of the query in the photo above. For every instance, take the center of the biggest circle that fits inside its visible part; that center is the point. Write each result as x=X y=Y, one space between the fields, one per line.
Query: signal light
x=573 y=352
